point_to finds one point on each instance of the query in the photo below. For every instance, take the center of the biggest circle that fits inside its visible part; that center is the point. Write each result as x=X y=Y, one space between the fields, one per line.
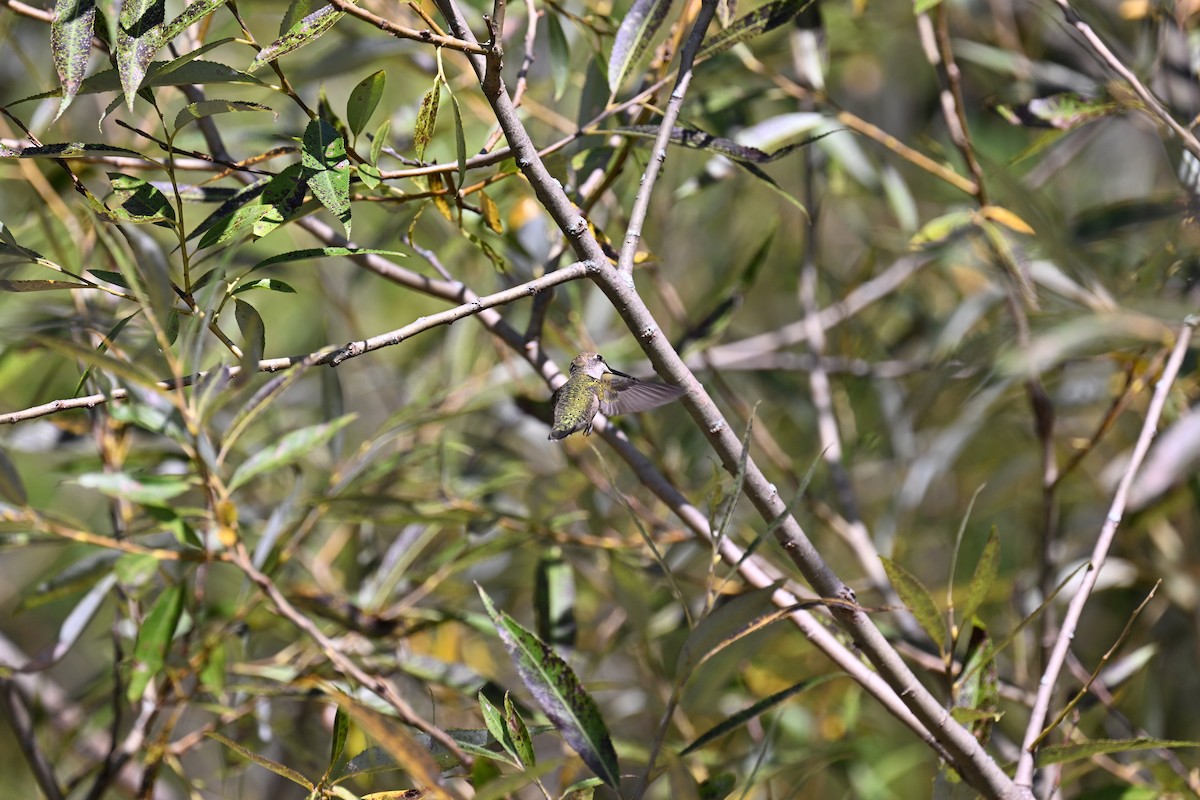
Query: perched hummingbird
x=596 y=387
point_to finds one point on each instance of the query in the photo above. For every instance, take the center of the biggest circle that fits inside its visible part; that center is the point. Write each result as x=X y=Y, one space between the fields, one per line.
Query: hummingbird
x=595 y=387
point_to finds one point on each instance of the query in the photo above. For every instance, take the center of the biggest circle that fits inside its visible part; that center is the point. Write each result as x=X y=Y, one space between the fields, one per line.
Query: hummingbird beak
x=617 y=372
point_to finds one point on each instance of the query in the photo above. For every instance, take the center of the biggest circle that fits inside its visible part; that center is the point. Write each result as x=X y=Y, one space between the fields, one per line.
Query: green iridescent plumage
x=593 y=388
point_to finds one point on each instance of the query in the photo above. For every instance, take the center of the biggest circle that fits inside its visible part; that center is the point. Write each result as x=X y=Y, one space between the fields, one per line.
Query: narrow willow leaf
x=288 y=450
x=306 y=31
x=270 y=284
x=154 y=489
x=74 y=624
x=1064 y=753
x=426 y=119
x=520 y=734
x=554 y=599
x=138 y=201
x=560 y=54
x=985 y=574
x=121 y=368
x=190 y=16
x=941 y=228
x=460 y=139
x=227 y=228
x=762 y=19
x=364 y=99
x=283 y=198
x=12 y=488
x=634 y=37
x=380 y=140
x=153 y=640
x=70 y=150
x=138 y=29
x=207 y=108
x=254 y=334
x=157 y=74
x=1062 y=111
x=720 y=628
x=491 y=213
x=918 y=600
x=560 y=694
x=282 y=770
x=403 y=746
x=977 y=695
x=324 y=161
x=740 y=718
x=719 y=145
x=341 y=729
x=369 y=175
x=322 y=252
x=493 y=718
x=212 y=672
x=241 y=198
x=71 y=45
x=42 y=285
x=925 y=6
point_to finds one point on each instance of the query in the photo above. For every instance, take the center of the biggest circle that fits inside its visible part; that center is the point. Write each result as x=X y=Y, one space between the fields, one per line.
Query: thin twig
x=641 y=203
x=1041 y=707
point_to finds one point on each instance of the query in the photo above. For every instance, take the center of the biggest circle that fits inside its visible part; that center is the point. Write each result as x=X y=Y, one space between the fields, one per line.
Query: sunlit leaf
x=918 y=600
x=159 y=73
x=740 y=718
x=71 y=45
x=560 y=54
x=762 y=19
x=155 y=489
x=560 y=694
x=363 y=101
x=984 y=576
x=138 y=29
x=1066 y=753
x=306 y=31
x=207 y=108
x=154 y=637
x=282 y=770
x=426 y=119
x=327 y=169
x=190 y=16
x=633 y=39
x=322 y=252
x=138 y=201
x=287 y=450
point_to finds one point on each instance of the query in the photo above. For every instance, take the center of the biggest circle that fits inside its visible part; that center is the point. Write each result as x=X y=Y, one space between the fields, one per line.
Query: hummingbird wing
x=624 y=395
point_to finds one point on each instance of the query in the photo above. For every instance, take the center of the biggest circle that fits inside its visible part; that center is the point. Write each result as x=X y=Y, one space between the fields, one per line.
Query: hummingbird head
x=589 y=363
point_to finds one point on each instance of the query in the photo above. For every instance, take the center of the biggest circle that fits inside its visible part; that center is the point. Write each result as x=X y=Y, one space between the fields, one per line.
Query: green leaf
x=327 y=169
x=1064 y=753
x=270 y=284
x=494 y=720
x=426 y=119
x=71 y=45
x=925 y=6
x=71 y=150
x=560 y=54
x=153 y=640
x=190 y=16
x=364 y=99
x=369 y=175
x=254 y=334
x=322 y=252
x=985 y=574
x=379 y=141
x=288 y=450
x=282 y=770
x=39 y=285
x=740 y=718
x=139 y=201
x=180 y=72
x=520 y=734
x=306 y=31
x=233 y=226
x=727 y=624
x=918 y=600
x=554 y=599
x=240 y=198
x=138 y=29
x=12 y=488
x=341 y=729
x=559 y=693
x=207 y=108
x=282 y=198
x=633 y=39
x=460 y=139
x=152 y=489
x=762 y=19
x=212 y=672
